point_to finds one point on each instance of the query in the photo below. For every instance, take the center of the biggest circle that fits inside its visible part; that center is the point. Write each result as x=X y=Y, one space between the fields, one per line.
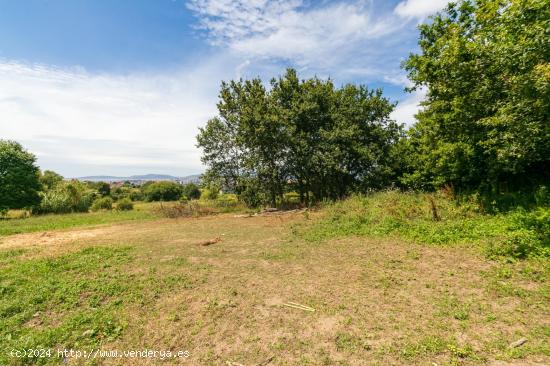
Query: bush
x=518 y=234
x=49 y=179
x=184 y=209
x=292 y=197
x=529 y=236
x=136 y=194
x=211 y=192
x=520 y=244
x=104 y=188
x=163 y=191
x=125 y=204
x=120 y=193
x=191 y=191
x=251 y=196
x=56 y=201
x=66 y=197
x=227 y=200
x=19 y=177
x=103 y=203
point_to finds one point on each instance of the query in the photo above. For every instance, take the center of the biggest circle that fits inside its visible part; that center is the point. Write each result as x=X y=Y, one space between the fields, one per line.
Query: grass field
x=18 y=222
x=379 y=297
x=10 y=226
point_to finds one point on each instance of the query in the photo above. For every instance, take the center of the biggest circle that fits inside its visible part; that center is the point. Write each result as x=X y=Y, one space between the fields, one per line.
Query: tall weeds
x=435 y=219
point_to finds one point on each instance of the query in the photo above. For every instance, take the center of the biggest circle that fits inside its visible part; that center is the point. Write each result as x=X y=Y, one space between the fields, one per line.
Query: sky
x=120 y=87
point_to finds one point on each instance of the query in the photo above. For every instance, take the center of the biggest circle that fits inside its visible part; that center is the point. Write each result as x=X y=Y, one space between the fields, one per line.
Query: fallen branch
x=518 y=343
x=298 y=306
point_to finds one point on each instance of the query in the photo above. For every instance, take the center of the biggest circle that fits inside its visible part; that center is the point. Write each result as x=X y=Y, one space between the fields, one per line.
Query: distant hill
x=109 y=178
x=195 y=178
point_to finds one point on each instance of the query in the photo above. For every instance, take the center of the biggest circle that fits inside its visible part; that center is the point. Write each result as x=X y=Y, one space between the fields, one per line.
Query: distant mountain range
x=109 y=178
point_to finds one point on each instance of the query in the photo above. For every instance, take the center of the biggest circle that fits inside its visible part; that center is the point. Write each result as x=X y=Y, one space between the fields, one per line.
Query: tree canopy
x=303 y=135
x=50 y=179
x=485 y=124
x=19 y=177
x=163 y=191
x=191 y=191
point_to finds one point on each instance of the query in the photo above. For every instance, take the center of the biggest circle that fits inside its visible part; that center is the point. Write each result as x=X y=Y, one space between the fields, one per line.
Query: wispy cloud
x=419 y=8
x=109 y=123
x=83 y=123
x=408 y=108
x=351 y=40
x=321 y=36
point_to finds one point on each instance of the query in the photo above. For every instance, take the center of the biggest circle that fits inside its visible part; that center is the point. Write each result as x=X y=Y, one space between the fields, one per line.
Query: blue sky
x=120 y=87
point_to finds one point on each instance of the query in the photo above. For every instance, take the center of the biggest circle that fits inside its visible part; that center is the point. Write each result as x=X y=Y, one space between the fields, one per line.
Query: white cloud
x=320 y=36
x=406 y=109
x=81 y=124
x=419 y=8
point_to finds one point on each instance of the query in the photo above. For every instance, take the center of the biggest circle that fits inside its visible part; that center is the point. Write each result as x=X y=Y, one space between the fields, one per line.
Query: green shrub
x=120 y=193
x=124 y=204
x=530 y=234
x=55 y=201
x=519 y=244
x=103 y=203
x=227 y=200
x=292 y=197
x=191 y=191
x=49 y=179
x=136 y=194
x=210 y=193
x=104 y=188
x=66 y=197
x=163 y=191
x=251 y=196
x=518 y=234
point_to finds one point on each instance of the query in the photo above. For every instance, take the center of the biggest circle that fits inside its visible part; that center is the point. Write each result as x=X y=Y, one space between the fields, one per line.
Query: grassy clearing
x=77 y=300
x=18 y=223
x=435 y=220
x=10 y=226
x=377 y=300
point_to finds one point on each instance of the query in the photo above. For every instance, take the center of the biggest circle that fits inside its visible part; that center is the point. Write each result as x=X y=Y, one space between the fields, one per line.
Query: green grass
x=72 y=300
x=17 y=222
x=12 y=226
x=151 y=286
x=410 y=216
x=77 y=300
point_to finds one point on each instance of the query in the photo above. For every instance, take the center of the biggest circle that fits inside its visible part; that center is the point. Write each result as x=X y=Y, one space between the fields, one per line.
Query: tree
x=191 y=191
x=49 y=179
x=244 y=140
x=485 y=124
x=337 y=140
x=104 y=188
x=163 y=191
x=306 y=135
x=19 y=177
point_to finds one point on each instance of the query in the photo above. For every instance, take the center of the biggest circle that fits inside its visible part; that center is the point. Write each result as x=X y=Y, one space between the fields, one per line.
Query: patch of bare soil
x=53 y=238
